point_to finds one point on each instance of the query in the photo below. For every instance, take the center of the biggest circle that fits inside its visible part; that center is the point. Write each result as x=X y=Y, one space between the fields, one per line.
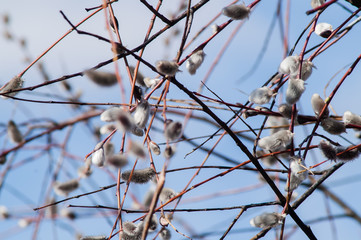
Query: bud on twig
x=323 y=29
x=63 y=189
x=236 y=11
x=195 y=61
x=117 y=160
x=261 y=95
x=167 y=194
x=333 y=126
x=14 y=84
x=298 y=173
x=154 y=148
x=318 y=104
x=328 y=150
x=173 y=130
x=14 y=133
x=267 y=220
x=103 y=79
x=277 y=141
x=139 y=176
x=169 y=68
x=141 y=113
x=98 y=157
x=294 y=91
x=346 y=155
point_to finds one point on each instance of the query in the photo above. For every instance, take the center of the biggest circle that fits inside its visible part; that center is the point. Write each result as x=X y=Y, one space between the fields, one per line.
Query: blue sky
x=40 y=24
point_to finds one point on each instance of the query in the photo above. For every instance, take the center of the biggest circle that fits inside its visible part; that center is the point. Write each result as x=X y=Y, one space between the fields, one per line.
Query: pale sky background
x=40 y=24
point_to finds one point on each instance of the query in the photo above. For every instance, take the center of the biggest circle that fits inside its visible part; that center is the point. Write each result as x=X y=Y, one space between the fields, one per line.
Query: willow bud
x=154 y=148
x=318 y=104
x=173 y=130
x=328 y=150
x=289 y=65
x=351 y=118
x=104 y=79
x=236 y=11
x=137 y=149
x=140 y=78
x=139 y=176
x=14 y=84
x=195 y=61
x=285 y=110
x=98 y=157
x=261 y=95
x=14 y=133
x=333 y=126
x=141 y=114
x=169 y=151
x=277 y=141
x=165 y=234
x=267 y=220
x=117 y=160
x=151 y=82
x=294 y=91
x=298 y=173
x=323 y=29
x=169 y=68
x=63 y=189
x=346 y=155
x=167 y=194
x=317 y=3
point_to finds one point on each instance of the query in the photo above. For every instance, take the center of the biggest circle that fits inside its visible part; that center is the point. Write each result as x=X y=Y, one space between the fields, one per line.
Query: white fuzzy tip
x=261 y=95
x=351 y=118
x=167 y=194
x=98 y=157
x=104 y=79
x=169 y=68
x=141 y=114
x=289 y=65
x=318 y=104
x=277 y=141
x=14 y=84
x=195 y=61
x=139 y=176
x=154 y=148
x=298 y=173
x=63 y=189
x=151 y=82
x=267 y=220
x=294 y=91
x=173 y=130
x=317 y=3
x=323 y=29
x=236 y=11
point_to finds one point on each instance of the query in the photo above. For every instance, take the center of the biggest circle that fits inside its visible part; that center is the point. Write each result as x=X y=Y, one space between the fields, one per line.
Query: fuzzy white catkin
x=344 y=154
x=154 y=148
x=289 y=65
x=14 y=133
x=141 y=113
x=298 y=173
x=104 y=79
x=169 y=68
x=107 y=128
x=110 y=115
x=294 y=90
x=277 y=124
x=333 y=126
x=267 y=220
x=14 y=84
x=132 y=231
x=285 y=110
x=63 y=189
x=173 y=130
x=165 y=234
x=323 y=29
x=236 y=11
x=261 y=95
x=98 y=157
x=307 y=67
x=23 y=223
x=151 y=82
x=351 y=118
x=166 y=194
x=4 y=212
x=328 y=150
x=318 y=104
x=317 y=3
x=67 y=213
x=137 y=149
x=277 y=141
x=195 y=61
x=169 y=151
x=139 y=176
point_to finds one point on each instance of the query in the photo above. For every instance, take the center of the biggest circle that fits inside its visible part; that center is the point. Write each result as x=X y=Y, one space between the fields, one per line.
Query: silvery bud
x=117 y=160
x=141 y=114
x=333 y=126
x=298 y=173
x=14 y=84
x=107 y=128
x=104 y=79
x=277 y=141
x=285 y=110
x=169 y=151
x=154 y=148
x=236 y=11
x=317 y=3
x=98 y=157
x=289 y=65
x=351 y=118
x=140 y=78
x=294 y=91
x=139 y=176
x=323 y=29
x=261 y=95
x=137 y=149
x=167 y=194
x=318 y=104
x=63 y=189
x=328 y=150
x=173 y=130
x=165 y=234
x=169 y=68
x=14 y=133
x=307 y=67
x=267 y=220
x=195 y=61
x=346 y=155
x=4 y=212
x=151 y=82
